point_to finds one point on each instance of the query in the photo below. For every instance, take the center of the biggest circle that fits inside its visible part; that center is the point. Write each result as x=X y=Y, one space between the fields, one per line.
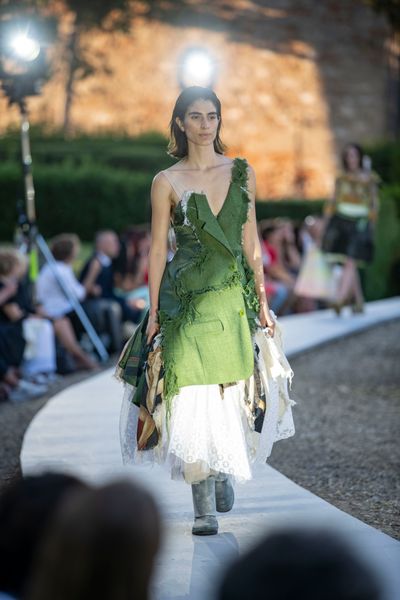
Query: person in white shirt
x=55 y=304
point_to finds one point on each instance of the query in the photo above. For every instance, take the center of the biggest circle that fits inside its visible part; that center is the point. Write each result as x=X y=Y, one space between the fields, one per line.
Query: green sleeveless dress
x=207 y=314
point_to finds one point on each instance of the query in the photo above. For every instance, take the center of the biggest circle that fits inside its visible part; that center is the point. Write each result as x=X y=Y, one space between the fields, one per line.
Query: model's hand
x=266 y=319
x=152 y=327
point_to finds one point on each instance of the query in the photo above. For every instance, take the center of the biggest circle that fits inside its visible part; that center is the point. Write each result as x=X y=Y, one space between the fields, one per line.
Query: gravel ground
x=347 y=421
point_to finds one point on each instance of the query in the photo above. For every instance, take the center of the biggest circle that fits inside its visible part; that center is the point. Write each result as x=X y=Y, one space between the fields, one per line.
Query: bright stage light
x=23 y=56
x=197 y=68
x=25 y=48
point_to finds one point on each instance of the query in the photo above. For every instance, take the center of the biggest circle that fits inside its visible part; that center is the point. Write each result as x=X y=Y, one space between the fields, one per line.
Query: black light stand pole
x=36 y=239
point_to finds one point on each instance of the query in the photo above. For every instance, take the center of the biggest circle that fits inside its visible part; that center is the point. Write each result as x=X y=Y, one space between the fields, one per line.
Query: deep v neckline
x=192 y=192
x=216 y=216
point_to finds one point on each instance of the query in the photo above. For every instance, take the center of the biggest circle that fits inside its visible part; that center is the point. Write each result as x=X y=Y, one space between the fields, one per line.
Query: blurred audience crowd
x=41 y=333
x=64 y=539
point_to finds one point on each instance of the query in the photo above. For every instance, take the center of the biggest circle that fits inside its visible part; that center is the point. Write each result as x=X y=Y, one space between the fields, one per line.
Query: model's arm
x=160 y=217
x=252 y=251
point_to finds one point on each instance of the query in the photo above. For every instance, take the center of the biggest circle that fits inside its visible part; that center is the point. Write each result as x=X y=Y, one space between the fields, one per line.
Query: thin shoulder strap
x=174 y=184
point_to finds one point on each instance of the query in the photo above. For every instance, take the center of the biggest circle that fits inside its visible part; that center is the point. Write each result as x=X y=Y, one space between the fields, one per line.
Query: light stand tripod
x=36 y=240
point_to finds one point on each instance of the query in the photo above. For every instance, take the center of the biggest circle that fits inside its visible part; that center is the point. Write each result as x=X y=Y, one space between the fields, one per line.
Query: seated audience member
x=12 y=387
x=8 y=373
x=98 y=277
x=277 y=293
x=279 y=276
x=11 y=315
x=102 y=545
x=26 y=509
x=98 y=273
x=316 y=279
x=55 y=303
x=12 y=340
x=39 y=360
x=131 y=268
x=288 y=252
x=299 y=563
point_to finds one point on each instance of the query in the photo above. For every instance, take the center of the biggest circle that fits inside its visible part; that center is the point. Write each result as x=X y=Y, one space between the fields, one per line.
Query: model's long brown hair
x=178 y=145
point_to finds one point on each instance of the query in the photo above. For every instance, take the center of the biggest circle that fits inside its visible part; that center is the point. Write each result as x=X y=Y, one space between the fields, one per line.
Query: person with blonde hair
x=54 y=302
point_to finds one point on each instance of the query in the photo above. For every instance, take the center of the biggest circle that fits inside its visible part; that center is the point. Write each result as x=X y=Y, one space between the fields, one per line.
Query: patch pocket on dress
x=199 y=328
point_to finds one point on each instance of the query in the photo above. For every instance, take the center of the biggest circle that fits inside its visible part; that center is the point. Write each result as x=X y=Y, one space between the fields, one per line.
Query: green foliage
x=144 y=153
x=297 y=210
x=379 y=281
x=386 y=160
x=78 y=200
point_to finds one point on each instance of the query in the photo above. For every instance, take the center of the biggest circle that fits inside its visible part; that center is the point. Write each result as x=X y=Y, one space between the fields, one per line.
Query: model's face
x=352 y=159
x=200 y=123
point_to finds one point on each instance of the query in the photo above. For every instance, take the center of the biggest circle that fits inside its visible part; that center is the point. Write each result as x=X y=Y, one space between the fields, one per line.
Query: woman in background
x=352 y=214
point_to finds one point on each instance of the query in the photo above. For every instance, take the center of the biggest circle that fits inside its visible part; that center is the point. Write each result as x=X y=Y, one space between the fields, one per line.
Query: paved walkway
x=77 y=431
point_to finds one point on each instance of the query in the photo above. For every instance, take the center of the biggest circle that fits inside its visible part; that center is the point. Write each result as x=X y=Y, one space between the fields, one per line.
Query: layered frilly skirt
x=210 y=429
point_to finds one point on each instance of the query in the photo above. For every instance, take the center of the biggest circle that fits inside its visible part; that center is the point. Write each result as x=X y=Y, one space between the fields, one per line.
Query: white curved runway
x=77 y=431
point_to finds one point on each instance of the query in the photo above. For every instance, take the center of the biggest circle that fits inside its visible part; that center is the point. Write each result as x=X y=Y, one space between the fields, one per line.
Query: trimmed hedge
x=80 y=200
x=143 y=153
x=91 y=197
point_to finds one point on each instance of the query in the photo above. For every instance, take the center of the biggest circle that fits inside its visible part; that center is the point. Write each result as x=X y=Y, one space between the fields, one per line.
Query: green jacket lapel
x=209 y=223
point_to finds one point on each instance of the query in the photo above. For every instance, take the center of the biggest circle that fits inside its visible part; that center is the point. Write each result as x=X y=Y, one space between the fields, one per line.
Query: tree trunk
x=73 y=51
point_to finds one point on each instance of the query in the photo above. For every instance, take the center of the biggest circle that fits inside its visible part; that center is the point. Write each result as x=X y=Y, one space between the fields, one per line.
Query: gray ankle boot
x=205 y=521
x=224 y=494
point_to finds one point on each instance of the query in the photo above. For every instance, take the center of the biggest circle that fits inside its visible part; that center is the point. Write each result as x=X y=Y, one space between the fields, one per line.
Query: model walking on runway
x=206 y=378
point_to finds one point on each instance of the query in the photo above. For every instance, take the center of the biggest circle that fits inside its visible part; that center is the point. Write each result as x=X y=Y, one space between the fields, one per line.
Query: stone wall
x=297 y=79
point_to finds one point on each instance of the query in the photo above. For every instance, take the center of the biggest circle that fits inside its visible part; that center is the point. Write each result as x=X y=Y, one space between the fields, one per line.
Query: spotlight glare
x=25 y=48
x=197 y=68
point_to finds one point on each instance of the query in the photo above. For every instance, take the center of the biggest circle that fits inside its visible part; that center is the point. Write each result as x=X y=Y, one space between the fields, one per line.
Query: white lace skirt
x=211 y=432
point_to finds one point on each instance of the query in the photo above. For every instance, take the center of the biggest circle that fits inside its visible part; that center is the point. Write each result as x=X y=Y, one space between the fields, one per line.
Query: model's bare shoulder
x=160 y=179
x=161 y=188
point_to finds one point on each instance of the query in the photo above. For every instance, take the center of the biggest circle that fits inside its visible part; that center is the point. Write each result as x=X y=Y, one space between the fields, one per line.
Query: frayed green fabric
x=186 y=316
x=209 y=250
x=239 y=273
x=249 y=289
